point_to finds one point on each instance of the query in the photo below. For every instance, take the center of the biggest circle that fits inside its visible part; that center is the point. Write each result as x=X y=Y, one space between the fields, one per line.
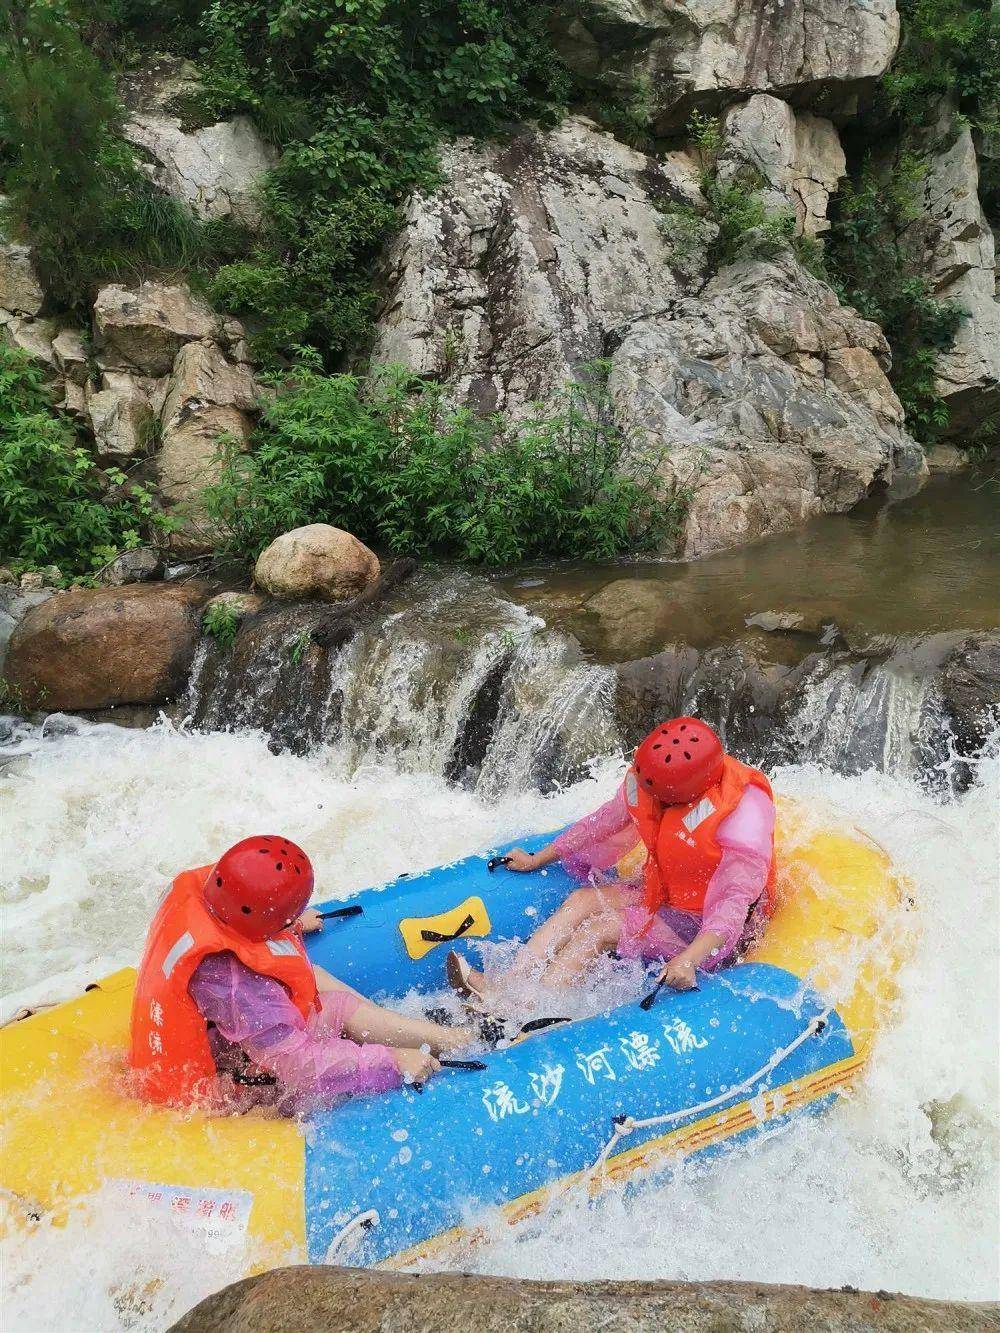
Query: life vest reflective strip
x=682 y=850
x=169 y=1053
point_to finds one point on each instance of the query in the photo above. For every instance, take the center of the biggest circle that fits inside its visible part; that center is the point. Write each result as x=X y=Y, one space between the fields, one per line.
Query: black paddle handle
x=340 y=913
x=474 y=1065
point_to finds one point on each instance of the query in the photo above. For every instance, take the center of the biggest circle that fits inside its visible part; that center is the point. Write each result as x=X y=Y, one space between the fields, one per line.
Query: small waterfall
x=447 y=678
x=886 y=715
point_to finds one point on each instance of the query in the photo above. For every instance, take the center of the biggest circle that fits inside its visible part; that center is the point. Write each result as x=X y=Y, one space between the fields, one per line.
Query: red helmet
x=680 y=760
x=260 y=886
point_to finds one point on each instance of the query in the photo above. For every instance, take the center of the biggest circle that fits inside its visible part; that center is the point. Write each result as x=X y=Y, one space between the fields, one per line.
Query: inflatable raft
x=583 y=1106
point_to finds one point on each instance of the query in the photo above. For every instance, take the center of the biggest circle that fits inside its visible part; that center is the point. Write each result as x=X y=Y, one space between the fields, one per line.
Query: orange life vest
x=170 y=1053
x=681 y=844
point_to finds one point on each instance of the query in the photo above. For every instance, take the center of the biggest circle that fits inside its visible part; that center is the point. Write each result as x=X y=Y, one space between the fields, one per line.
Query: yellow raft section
x=68 y=1127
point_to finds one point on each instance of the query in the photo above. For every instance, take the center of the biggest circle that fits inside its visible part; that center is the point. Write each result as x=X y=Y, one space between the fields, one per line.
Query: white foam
x=896 y=1189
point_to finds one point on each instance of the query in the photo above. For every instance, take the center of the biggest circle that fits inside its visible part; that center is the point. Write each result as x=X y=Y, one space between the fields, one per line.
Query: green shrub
x=744 y=226
x=72 y=184
x=868 y=269
x=949 y=49
x=222 y=623
x=387 y=459
x=54 y=502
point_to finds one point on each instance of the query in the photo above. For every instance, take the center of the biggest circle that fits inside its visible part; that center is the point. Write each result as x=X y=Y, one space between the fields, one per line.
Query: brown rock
x=145 y=327
x=316 y=561
x=94 y=647
x=122 y=424
x=352 y=1300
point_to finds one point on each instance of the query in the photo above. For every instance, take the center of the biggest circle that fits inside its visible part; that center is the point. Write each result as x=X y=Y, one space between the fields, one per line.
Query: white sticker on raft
x=219 y=1217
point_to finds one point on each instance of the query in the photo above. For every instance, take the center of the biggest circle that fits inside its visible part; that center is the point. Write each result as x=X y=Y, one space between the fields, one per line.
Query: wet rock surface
x=351 y=1299
x=96 y=647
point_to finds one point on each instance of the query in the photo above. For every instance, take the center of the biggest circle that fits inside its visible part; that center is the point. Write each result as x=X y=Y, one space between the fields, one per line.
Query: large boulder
x=769 y=400
x=764 y=399
x=143 y=328
x=950 y=243
x=97 y=647
x=214 y=169
x=317 y=561
x=707 y=53
x=353 y=1300
x=797 y=155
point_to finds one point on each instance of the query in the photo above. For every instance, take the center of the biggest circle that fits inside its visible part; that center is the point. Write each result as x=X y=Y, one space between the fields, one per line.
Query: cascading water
x=459 y=720
x=455 y=681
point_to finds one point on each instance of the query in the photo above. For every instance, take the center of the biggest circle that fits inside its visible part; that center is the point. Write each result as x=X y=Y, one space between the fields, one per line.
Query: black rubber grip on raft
x=476 y=1066
x=495 y=861
x=341 y=913
x=442 y=937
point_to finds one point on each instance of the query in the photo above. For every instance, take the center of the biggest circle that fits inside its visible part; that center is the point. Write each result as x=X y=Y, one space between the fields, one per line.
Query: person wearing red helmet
x=228 y=1007
x=705 y=887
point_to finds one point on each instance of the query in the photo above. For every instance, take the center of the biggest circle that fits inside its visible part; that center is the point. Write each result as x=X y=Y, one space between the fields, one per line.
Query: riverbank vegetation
x=385 y=457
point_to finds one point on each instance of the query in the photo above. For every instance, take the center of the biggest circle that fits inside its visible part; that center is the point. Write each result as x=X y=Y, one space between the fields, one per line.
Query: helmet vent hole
x=649 y=782
x=297 y=870
x=676 y=741
x=264 y=851
x=658 y=745
x=683 y=726
x=245 y=910
x=218 y=880
x=277 y=865
x=693 y=740
x=687 y=754
x=668 y=759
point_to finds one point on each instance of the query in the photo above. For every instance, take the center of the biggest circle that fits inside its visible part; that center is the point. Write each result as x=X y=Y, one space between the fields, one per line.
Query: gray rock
x=760 y=395
x=950 y=243
x=706 y=53
x=797 y=154
x=143 y=328
x=70 y=354
x=760 y=442
x=21 y=290
x=216 y=169
x=351 y=1300
x=122 y=423
x=515 y=272
x=33 y=336
x=138 y=566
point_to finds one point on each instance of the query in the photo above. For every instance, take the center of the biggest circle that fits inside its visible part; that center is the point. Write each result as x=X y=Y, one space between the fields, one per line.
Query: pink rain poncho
x=252 y=1016
x=733 y=901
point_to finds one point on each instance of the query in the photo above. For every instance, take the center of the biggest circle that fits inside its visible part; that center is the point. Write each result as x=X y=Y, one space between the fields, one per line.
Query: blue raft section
x=391 y=1179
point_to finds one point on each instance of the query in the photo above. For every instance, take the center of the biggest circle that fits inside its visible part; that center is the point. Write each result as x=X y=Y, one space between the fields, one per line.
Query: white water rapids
x=896 y=1188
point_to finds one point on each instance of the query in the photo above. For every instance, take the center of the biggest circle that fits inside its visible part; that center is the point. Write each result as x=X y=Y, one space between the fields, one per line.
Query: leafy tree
x=72 y=183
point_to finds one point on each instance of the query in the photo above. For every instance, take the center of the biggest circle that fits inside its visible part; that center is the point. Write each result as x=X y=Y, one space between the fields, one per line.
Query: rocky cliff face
x=709 y=53
x=761 y=395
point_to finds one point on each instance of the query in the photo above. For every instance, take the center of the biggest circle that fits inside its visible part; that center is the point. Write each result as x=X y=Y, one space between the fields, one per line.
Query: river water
x=896 y=1188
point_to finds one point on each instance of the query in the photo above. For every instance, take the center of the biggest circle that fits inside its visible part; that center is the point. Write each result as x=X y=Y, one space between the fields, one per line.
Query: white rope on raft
x=626 y=1125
